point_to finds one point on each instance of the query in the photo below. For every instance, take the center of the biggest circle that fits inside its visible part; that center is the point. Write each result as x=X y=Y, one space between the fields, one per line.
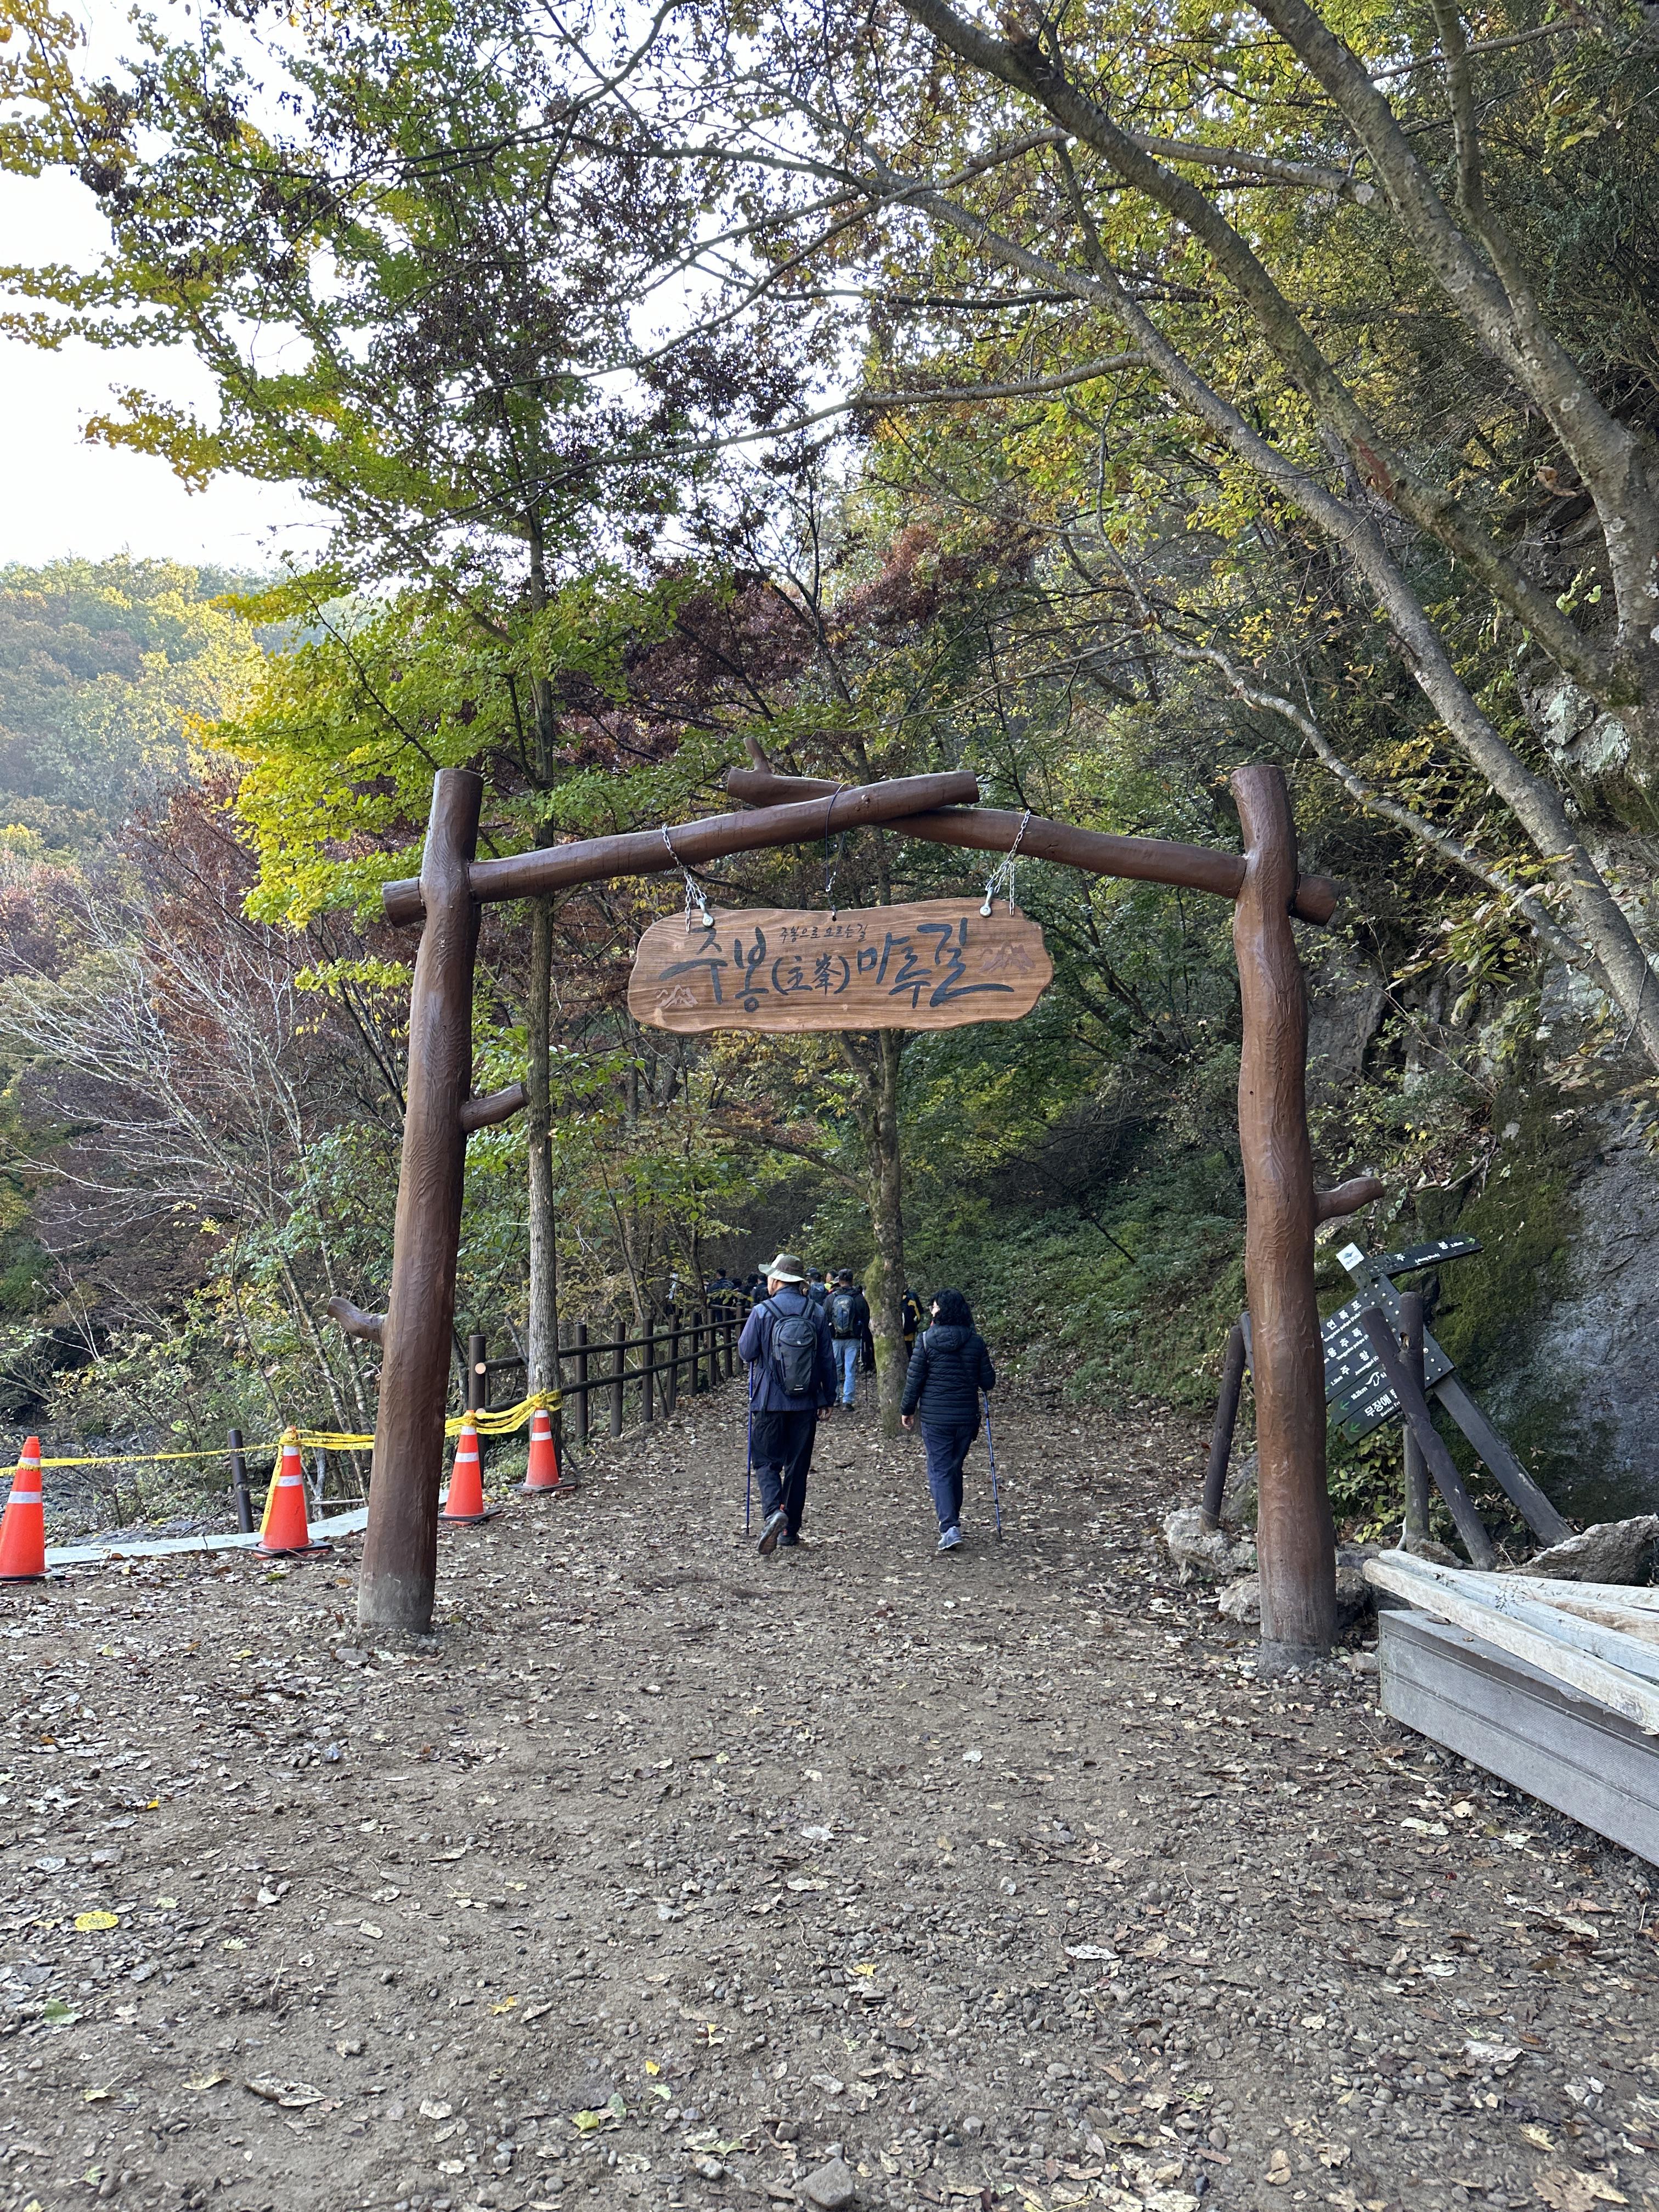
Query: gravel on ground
x=665 y=1875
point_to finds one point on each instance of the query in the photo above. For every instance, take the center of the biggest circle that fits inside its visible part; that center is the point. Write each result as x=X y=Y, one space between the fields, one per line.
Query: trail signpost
x=933 y=965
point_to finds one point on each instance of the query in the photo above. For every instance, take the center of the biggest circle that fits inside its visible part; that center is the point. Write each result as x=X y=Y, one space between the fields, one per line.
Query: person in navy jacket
x=949 y=1371
x=784 y=1421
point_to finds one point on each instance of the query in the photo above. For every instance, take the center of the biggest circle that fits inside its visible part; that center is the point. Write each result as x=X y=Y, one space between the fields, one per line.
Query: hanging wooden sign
x=934 y=965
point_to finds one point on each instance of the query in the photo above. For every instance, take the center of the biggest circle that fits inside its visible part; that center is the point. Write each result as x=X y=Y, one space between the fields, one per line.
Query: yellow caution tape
x=502 y=1422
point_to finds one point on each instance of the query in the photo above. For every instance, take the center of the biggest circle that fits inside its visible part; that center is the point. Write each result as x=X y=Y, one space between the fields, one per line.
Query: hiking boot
x=792 y=1543
x=950 y=1538
x=771 y=1530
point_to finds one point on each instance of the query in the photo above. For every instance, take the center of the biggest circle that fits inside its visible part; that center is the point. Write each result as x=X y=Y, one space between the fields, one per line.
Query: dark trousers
x=947 y=1448
x=782 y=1453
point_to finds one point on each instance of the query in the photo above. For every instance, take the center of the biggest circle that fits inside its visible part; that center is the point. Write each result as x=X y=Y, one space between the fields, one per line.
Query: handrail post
x=618 y=1376
x=647 y=1380
x=478 y=1373
x=674 y=1359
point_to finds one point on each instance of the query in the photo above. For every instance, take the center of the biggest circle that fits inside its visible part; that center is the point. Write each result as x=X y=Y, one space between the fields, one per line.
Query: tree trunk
x=542 y=1322
x=876 y=1056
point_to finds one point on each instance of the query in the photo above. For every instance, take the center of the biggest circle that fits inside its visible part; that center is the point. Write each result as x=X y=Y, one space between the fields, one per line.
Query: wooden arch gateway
x=1295 y=1538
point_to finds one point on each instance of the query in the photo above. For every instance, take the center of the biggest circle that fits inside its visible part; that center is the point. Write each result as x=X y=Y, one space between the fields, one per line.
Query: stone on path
x=830 y=2187
x=1196 y=1549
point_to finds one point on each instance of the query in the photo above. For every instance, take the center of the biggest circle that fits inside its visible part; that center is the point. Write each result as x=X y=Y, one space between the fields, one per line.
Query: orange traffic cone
x=23 y=1531
x=465 y=1498
x=543 y=1475
x=283 y=1529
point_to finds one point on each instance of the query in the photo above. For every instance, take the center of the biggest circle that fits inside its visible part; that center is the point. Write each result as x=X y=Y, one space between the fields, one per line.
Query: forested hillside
x=1221 y=391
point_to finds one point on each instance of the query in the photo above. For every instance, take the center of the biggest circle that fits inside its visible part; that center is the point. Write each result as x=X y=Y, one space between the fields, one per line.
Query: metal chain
x=1001 y=877
x=830 y=866
x=695 y=899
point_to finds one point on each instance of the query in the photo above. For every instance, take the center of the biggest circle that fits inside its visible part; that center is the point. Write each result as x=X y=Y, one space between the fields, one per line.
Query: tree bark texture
x=542 y=1331
x=1296 y=1541
x=400 y=1550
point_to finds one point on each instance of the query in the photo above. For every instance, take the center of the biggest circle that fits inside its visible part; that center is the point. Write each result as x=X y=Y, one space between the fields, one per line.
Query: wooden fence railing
x=682 y=1353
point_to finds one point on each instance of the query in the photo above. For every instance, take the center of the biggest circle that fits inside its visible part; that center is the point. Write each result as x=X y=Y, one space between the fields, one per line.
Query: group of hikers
x=801 y=1349
x=839 y=1299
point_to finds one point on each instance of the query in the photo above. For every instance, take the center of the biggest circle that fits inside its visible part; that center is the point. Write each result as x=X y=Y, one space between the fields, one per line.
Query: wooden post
x=239 y=1489
x=1226 y=1420
x=581 y=1383
x=700 y=1379
x=400 y=1550
x=671 y=1401
x=1441 y=1465
x=478 y=1373
x=647 y=1379
x=618 y=1372
x=1416 y=1468
x=1296 y=1541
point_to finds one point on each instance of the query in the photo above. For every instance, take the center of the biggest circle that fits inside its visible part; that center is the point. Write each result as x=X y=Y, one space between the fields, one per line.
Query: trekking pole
x=748 y=1468
x=991 y=1447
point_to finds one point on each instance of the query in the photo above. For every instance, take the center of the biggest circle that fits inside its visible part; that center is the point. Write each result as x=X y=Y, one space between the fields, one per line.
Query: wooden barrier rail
x=700 y=1345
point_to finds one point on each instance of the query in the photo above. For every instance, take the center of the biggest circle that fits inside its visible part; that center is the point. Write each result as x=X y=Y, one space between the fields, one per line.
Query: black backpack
x=840 y=1313
x=795 y=1352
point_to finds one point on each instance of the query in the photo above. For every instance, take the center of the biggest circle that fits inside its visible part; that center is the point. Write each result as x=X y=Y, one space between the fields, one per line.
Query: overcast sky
x=65 y=496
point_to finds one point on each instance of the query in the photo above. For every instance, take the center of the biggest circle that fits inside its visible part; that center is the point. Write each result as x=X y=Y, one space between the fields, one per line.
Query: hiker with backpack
x=792 y=1386
x=949 y=1369
x=850 y=1324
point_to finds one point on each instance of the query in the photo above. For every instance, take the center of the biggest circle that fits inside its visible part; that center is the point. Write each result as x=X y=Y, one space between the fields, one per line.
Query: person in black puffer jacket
x=948 y=1370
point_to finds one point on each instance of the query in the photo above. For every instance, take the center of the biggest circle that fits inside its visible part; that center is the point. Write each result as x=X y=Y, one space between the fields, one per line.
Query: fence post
x=673 y=1358
x=581 y=1378
x=558 y=1384
x=238 y=1485
x=478 y=1374
x=647 y=1380
x=700 y=1364
x=619 y=1366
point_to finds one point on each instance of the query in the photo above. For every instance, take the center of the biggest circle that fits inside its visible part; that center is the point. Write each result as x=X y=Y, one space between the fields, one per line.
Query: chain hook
x=831 y=866
x=1001 y=877
x=694 y=894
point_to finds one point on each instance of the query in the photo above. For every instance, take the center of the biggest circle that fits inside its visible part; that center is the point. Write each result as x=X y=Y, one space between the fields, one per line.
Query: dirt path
x=1000 y=1872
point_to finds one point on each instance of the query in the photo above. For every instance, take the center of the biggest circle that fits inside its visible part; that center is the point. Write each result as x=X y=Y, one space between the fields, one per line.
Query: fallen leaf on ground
x=293 y=2096
x=1567 y=2190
